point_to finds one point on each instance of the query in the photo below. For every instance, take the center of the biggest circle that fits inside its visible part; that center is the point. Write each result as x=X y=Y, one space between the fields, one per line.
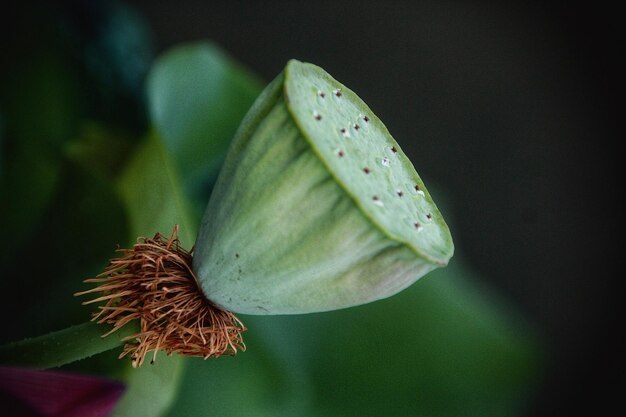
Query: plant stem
x=64 y=346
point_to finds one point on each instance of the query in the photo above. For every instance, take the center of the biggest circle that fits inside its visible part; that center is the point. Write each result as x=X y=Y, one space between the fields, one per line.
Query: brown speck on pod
x=366 y=170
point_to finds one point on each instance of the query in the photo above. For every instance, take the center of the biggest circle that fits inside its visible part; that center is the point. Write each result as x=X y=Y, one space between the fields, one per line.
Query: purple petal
x=28 y=392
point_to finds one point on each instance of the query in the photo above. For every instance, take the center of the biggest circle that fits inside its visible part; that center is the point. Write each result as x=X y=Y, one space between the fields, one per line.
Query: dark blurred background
x=509 y=109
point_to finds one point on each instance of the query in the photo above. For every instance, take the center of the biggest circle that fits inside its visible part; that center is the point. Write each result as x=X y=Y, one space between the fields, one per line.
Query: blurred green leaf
x=151 y=192
x=40 y=95
x=258 y=382
x=151 y=389
x=118 y=48
x=197 y=96
x=100 y=150
x=28 y=184
x=73 y=240
x=152 y=195
x=61 y=205
x=40 y=104
x=116 y=51
x=443 y=347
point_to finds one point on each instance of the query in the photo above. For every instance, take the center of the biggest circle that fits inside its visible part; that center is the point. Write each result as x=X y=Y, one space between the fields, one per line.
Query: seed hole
x=317 y=116
x=356 y=126
x=394 y=150
x=321 y=93
x=429 y=216
x=417 y=226
x=366 y=170
x=366 y=119
x=385 y=162
x=340 y=153
x=236 y=255
x=418 y=190
x=400 y=193
x=345 y=132
x=377 y=201
x=337 y=92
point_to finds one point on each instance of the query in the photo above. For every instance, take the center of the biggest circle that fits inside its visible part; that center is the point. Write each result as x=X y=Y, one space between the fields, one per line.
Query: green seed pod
x=316 y=207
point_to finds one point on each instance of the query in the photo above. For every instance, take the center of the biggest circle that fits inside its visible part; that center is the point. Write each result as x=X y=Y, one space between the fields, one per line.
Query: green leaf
x=40 y=103
x=100 y=150
x=447 y=346
x=86 y=221
x=151 y=389
x=76 y=236
x=259 y=382
x=53 y=218
x=27 y=187
x=197 y=96
x=150 y=190
x=63 y=346
x=152 y=194
x=443 y=347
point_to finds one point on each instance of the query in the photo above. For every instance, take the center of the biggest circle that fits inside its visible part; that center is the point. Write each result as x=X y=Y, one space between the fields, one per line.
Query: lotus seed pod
x=316 y=207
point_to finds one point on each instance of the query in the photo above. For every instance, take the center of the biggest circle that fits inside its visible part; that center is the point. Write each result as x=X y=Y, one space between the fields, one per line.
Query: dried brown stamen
x=154 y=283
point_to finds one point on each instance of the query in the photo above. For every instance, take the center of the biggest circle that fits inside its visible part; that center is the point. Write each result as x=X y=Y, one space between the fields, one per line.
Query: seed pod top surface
x=366 y=161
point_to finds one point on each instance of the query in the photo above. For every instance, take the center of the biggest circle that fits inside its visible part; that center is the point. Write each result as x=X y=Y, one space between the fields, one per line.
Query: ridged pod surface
x=316 y=207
